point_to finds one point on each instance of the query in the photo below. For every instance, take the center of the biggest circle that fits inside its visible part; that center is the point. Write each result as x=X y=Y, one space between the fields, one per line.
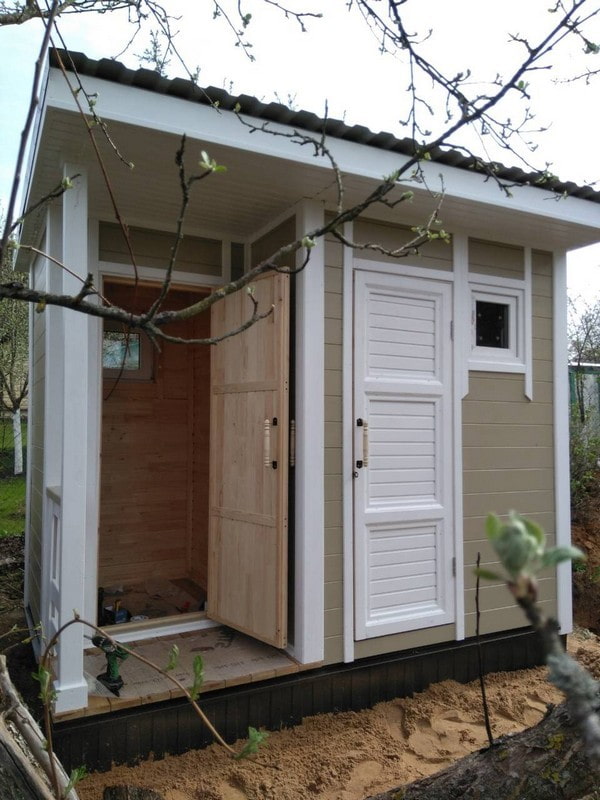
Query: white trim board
x=347 y=446
x=461 y=308
x=561 y=438
x=309 y=602
x=206 y=124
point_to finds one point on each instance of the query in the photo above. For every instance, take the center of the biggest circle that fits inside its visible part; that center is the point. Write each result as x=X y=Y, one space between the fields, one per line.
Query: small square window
x=126 y=354
x=121 y=350
x=497 y=328
x=491 y=324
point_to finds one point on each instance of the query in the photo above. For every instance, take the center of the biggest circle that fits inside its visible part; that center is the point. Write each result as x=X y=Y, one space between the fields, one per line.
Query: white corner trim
x=70 y=684
x=462 y=315
x=70 y=696
x=309 y=579
x=347 y=447
x=461 y=327
x=528 y=326
x=561 y=437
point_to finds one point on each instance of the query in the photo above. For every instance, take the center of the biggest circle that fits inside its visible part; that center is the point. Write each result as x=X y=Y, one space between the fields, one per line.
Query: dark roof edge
x=110 y=70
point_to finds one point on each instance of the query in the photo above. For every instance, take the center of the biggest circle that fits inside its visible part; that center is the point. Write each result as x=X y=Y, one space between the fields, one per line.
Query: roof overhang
x=268 y=173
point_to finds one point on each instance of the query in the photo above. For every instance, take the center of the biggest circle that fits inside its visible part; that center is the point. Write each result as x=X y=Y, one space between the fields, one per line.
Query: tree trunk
x=37 y=762
x=546 y=762
x=18 y=440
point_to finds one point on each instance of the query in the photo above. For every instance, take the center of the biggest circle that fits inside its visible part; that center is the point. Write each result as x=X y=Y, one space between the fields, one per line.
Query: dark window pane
x=491 y=328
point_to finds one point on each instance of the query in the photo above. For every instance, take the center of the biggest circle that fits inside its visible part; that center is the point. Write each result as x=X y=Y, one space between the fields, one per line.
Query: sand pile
x=351 y=755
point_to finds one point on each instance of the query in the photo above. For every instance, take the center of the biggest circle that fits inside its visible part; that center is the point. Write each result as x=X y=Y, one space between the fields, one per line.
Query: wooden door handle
x=267 y=444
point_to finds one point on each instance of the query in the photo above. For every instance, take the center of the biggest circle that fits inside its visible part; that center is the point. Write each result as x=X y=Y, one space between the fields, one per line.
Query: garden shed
x=312 y=491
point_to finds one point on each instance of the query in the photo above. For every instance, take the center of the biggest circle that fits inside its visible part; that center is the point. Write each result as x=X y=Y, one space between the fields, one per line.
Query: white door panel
x=403 y=453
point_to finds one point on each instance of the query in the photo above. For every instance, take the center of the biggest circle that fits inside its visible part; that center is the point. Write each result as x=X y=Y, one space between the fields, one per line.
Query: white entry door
x=403 y=454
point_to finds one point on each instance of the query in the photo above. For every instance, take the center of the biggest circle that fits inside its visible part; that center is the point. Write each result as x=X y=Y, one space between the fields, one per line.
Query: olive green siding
x=195 y=254
x=508 y=453
x=271 y=242
x=507 y=443
x=35 y=437
x=436 y=254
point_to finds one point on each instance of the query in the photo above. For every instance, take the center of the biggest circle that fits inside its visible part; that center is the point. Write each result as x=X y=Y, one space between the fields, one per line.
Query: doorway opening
x=195 y=463
x=154 y=506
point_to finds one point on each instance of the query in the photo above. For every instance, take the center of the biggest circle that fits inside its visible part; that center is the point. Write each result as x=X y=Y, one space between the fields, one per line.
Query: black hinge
x=454 y=567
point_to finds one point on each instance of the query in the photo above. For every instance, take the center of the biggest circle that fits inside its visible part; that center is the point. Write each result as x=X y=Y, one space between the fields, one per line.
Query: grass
x=12 y=506
x=12 y=488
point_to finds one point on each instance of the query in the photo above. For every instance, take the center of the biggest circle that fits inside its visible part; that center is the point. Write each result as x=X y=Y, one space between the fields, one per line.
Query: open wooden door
x=247 y=561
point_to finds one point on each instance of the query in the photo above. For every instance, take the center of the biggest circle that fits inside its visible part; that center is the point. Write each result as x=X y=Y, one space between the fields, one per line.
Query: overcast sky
x=338 y=62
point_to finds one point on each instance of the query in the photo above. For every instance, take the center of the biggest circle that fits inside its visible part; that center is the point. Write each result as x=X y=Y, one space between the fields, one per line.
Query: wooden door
x=403 y=454
x=247 y=567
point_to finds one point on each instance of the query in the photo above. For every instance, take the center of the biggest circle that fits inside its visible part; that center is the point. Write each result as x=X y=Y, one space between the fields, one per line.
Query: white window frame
x=512 y=295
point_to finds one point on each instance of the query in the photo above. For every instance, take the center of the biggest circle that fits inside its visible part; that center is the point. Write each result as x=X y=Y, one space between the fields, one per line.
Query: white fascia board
x=38 y=126
x=142 y=108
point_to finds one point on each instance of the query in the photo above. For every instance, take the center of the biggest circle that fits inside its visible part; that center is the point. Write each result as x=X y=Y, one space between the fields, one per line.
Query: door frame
x=308 y=556
x=456 y=278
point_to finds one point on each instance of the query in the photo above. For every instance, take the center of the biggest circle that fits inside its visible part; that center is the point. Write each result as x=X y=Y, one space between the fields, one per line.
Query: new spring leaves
x=521 y=548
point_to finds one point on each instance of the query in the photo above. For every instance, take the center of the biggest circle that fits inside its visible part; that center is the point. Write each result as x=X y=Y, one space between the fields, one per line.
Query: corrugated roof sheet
x=111 y=70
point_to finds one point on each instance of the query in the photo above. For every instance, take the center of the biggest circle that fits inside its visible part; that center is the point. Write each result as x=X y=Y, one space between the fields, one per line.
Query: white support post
x=310 y=415
x=561 y=438
x=53 y=404
x=70 y=683
x=348 y=444
x=462 y=332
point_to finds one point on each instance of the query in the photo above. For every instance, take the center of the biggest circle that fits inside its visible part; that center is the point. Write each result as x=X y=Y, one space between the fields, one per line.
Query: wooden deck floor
x=229 y=657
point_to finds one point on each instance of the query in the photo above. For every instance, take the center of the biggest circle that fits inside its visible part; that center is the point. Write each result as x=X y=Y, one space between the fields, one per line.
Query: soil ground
x=586 y=575
x=345 y=756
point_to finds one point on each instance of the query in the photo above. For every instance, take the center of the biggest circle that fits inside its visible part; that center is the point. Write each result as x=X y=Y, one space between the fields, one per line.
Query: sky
x=338 y=62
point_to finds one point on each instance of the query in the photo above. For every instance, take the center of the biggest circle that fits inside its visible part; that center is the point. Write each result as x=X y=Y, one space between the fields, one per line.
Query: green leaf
x=208 y=163
x=76 y=775
x=173 y=658
x=487 y=574
x=308 y=242
x=44 y=677
x=198 y=667
x=556 y=555
x=255 y=739
x=492 y=527
x=533 y=529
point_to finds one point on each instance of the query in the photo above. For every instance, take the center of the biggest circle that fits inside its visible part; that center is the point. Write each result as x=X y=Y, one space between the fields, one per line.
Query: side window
x=126 y=354
x=497 y=328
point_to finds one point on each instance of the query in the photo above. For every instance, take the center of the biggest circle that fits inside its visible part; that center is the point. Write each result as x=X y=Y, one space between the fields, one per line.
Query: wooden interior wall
x=153 y=497
x=198 y=565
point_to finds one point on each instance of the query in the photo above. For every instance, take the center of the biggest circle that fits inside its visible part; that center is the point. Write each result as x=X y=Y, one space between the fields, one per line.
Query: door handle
x=362 y=423
x=267 y=444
